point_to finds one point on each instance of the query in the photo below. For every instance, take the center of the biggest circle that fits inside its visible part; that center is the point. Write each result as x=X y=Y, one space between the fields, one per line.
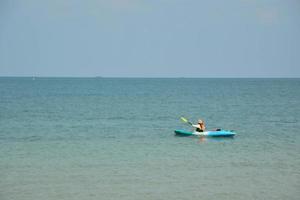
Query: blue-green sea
x=113 y=138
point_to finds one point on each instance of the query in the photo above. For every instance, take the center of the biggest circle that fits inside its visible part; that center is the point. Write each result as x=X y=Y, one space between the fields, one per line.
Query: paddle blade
x=185 y=120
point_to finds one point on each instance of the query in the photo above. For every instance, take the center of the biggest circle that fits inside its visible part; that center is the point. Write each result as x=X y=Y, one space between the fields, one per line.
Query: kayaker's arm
x=196 y=125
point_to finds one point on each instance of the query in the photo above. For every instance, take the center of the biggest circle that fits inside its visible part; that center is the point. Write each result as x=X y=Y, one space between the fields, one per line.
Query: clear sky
x=153 y=38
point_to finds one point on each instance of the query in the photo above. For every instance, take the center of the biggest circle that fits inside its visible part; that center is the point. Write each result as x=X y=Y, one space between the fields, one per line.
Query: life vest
x=201 y=129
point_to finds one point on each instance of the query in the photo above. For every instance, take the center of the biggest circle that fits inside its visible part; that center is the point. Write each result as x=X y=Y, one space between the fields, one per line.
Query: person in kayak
x=200 y=127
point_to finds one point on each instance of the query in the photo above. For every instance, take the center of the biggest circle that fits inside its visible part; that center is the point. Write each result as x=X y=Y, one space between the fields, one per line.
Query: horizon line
x=153 y=77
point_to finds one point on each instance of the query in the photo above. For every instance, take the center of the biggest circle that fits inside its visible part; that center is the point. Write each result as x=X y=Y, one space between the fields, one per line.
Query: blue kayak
x=219 y=133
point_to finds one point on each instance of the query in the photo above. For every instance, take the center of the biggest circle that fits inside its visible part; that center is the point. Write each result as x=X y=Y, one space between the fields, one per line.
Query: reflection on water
x=213 y=139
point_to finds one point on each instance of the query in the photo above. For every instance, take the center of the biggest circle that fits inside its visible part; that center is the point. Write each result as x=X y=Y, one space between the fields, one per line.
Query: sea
x=113 y=139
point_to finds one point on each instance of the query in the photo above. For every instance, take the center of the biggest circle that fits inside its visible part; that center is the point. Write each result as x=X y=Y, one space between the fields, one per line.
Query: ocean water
x=113 y=138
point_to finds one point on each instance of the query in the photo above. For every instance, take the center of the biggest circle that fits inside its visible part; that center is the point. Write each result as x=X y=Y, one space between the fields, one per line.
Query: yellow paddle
x=186 y=121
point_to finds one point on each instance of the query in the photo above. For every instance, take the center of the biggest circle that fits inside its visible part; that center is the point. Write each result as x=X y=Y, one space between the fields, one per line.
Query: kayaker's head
x=200 y=121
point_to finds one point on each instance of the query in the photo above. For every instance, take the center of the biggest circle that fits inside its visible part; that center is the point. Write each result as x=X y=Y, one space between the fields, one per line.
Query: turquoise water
x=102 y=138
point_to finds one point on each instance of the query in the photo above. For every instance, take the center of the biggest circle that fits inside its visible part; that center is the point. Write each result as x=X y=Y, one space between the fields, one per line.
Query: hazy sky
x=153 y=38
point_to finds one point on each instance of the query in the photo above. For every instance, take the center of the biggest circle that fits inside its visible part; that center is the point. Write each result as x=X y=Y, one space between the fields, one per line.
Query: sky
x=150 y=38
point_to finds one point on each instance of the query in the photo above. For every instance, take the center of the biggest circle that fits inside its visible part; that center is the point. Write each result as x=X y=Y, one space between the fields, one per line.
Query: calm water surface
x=101 y=138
